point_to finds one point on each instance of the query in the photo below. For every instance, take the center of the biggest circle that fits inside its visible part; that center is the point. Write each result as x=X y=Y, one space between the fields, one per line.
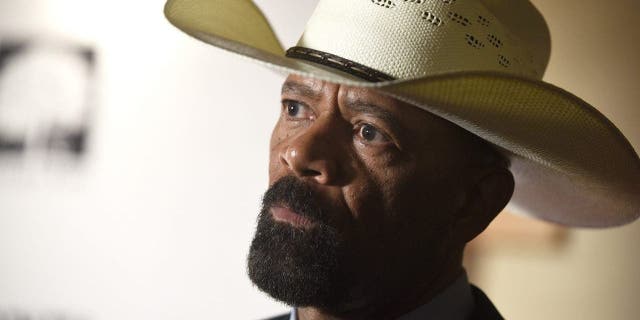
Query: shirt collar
x=455 y=302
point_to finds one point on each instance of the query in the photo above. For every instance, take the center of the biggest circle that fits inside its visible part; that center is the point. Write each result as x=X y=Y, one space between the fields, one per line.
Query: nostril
x=284 y=161
x=310 y=173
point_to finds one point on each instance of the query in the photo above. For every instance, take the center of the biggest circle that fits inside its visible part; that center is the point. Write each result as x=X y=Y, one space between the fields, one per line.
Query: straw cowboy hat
x=476 y=63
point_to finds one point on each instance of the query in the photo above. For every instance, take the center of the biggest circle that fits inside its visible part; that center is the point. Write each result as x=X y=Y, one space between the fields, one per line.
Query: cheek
x=367 y=211
x=277 y=134
x=362 y=197
x=413 y=199
x=276 y=167
x=374 y=197
x=398 y=181
x=376 y=183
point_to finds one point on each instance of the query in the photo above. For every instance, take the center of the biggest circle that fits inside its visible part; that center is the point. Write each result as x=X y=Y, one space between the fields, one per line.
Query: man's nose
x=316 y=153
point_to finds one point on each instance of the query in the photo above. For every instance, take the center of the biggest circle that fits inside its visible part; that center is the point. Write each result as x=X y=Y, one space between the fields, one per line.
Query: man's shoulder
x=484 y=308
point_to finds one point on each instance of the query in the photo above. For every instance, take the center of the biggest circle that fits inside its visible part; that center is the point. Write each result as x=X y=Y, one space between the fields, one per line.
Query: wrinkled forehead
x=313 y=87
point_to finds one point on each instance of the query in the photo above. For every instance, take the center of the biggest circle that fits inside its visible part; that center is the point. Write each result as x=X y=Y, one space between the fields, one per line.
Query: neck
x=393 y=305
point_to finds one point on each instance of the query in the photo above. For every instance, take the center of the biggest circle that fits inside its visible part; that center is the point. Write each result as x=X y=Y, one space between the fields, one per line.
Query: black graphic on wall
x=46 y=91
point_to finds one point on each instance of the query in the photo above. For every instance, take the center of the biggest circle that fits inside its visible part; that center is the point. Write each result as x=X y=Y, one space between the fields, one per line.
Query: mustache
x=297 y=196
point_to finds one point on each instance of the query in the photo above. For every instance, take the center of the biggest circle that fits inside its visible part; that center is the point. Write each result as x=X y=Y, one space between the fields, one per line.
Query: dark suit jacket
x=484 y=309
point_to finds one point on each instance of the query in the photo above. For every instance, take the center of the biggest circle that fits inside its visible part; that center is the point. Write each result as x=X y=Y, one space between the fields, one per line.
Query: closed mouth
x=286 y=215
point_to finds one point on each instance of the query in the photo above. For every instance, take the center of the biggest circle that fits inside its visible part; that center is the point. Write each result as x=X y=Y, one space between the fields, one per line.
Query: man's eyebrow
x=292 y=87
x=366 y=107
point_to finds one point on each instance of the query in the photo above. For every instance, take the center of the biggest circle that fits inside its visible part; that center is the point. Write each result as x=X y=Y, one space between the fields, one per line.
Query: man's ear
x=483 y=201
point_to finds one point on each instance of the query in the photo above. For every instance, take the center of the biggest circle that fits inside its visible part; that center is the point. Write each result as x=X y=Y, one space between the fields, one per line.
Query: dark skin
x=408 y=189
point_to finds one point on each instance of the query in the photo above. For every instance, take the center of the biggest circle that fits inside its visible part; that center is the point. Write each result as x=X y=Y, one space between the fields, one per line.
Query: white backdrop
x=155 y=223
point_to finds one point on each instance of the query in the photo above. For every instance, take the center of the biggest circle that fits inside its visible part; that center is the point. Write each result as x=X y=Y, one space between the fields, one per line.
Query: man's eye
x=370 y=133
x=295 y=109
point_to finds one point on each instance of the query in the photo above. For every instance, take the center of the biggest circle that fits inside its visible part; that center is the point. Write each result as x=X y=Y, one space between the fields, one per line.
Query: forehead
x=317 y=89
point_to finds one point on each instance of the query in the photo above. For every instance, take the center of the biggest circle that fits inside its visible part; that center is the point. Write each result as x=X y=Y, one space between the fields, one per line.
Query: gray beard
x=318 y=267
x=298 y=267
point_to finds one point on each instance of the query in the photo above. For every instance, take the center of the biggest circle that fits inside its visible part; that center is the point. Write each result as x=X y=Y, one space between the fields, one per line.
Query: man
x=371 y=203
x=405 y=128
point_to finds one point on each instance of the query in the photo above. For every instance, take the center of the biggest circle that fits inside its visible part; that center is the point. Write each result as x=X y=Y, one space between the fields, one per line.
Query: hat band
x=336 y=62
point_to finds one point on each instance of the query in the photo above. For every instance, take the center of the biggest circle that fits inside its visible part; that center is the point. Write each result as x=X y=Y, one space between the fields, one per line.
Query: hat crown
x=408 y=39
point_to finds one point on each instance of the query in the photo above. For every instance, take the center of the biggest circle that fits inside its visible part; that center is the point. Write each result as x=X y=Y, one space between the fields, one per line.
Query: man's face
x=364 y=193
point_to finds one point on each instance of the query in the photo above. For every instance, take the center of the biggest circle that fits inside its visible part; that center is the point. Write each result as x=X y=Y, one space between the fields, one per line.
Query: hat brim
x=572 y=166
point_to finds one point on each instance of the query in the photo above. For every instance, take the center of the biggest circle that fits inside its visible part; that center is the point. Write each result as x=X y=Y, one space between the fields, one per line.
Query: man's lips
x=283 y=214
